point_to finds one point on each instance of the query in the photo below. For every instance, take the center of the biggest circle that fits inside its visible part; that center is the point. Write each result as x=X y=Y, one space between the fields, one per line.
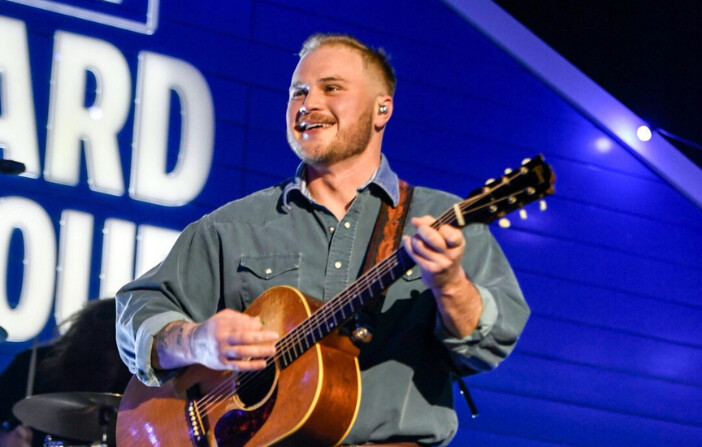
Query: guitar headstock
x=532 y=181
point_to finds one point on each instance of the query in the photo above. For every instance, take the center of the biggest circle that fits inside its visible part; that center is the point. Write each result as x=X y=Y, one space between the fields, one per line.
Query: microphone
x=11 y=167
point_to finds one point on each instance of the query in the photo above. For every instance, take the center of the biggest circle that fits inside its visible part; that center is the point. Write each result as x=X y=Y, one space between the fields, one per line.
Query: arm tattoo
x=166 y=339
x=193 y=339
x=179 y=336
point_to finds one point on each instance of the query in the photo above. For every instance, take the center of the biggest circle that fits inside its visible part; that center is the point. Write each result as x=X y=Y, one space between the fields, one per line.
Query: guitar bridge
x=197 y=426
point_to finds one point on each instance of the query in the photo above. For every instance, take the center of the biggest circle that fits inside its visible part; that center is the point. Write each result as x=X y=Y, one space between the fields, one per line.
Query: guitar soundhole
x=256 y=394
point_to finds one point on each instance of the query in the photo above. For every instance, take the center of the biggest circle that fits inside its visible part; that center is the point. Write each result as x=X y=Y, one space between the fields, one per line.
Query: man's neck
x=335 y=186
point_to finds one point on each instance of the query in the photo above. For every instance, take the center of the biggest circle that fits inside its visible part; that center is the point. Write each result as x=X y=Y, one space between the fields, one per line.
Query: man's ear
x=383 y=111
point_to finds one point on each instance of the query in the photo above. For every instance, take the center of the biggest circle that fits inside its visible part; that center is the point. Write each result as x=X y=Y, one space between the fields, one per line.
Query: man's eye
x=331 y=88
x=298 y=93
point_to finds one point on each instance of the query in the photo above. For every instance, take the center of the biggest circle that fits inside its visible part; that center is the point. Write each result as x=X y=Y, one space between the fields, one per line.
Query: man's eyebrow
x=332 y=79
x=305 y=86
x=298 y=85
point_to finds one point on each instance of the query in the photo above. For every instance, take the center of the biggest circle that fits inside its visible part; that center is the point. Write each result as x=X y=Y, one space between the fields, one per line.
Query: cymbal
x=83 y=416
x=3 y=334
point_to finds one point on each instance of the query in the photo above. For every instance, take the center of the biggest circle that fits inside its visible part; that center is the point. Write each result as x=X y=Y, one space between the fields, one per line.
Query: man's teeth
x=304 y=126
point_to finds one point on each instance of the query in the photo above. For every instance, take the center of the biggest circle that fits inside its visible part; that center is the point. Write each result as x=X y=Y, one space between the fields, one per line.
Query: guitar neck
x=533 y=180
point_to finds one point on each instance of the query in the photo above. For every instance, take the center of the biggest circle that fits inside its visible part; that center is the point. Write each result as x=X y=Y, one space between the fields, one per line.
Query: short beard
x=349 y=144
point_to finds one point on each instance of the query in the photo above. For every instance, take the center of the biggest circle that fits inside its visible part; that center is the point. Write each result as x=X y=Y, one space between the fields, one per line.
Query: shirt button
x=331 y=229
x=269 y=271
x=408 y=272
x=337 y=264
x=347 y=225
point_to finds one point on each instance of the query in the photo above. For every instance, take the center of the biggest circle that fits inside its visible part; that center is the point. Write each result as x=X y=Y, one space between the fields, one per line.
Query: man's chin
x=310 y=157
x=323 y=155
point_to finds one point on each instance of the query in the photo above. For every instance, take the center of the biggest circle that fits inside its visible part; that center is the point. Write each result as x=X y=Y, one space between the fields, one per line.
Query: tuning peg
x=542 y=205
x=508 y=171
x=522 y=214
x=525 y=161
x=488 y=181
x=504 y=223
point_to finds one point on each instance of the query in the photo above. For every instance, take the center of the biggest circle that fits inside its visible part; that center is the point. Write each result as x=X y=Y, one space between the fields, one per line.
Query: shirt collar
x=384 y=178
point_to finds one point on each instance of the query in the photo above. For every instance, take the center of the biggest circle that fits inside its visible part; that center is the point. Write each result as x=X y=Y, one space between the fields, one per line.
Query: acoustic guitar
x=310 y=391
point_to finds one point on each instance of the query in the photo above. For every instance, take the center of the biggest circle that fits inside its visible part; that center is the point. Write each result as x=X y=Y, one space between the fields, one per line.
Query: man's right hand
x=227 y=340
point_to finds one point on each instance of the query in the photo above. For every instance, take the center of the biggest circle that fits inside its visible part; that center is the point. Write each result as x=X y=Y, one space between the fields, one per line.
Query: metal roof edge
x=583 y=93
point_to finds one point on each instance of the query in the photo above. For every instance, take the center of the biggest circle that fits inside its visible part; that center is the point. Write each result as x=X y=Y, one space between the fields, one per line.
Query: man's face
x=331 y=104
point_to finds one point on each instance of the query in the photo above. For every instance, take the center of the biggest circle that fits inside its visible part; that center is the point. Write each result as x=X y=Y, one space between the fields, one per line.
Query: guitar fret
x=287 y=356
x=351 y=309
x=310 y=341
x=380 y=284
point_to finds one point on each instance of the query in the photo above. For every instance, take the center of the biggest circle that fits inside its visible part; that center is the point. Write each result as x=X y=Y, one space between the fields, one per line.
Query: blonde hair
x=375 y=58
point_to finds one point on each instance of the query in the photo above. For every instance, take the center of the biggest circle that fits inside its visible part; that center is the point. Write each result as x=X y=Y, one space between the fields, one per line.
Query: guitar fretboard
x=531 y=181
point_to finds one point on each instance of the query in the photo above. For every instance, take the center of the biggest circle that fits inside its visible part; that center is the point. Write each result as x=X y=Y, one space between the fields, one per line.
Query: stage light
x=644 y=133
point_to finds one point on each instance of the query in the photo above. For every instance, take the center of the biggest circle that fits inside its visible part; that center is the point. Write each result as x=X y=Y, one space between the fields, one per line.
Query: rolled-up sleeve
x=505 y=310
x=163 y=295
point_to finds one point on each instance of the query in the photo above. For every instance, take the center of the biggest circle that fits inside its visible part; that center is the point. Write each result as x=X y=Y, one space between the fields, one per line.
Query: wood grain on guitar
x=310 y=392
x=311 y=396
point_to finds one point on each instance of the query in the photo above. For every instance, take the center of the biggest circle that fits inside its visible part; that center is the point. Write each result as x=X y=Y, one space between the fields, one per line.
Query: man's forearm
x=172 y=346
x=460 y=307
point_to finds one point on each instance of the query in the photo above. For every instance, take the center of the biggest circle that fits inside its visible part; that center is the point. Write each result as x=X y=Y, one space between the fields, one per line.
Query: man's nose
x=312 y=101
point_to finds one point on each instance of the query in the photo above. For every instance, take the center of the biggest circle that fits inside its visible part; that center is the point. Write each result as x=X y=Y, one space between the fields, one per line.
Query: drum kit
x=80 y=419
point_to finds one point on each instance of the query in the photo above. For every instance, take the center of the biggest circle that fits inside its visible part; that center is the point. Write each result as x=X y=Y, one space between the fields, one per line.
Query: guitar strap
x=387 y=232
x=385 y=239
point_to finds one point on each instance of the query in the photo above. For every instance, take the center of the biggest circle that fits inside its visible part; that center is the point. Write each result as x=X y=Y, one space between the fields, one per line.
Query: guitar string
x=292 y=339
x=295 y=337
x=447 y=217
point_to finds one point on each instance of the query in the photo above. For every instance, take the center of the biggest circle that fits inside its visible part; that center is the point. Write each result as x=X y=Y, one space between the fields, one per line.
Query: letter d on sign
x=158 y=76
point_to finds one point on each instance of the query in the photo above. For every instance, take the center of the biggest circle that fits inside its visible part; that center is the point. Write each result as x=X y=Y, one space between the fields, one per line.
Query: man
x=460 y=312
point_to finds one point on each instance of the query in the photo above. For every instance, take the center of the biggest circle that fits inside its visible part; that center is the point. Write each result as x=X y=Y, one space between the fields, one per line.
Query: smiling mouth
x=304 y=126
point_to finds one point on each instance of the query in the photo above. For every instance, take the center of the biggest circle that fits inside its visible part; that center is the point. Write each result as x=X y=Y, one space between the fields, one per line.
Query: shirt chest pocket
x=259 y=273
x=407 y=288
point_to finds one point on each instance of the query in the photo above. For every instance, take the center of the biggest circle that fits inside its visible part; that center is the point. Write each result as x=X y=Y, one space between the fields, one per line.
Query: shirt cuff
x=145 y=341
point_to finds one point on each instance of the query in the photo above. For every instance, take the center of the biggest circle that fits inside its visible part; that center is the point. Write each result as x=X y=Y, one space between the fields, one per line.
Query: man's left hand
x=438 y=253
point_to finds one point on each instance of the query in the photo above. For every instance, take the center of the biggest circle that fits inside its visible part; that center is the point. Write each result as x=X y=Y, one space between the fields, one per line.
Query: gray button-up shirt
x=280 y=236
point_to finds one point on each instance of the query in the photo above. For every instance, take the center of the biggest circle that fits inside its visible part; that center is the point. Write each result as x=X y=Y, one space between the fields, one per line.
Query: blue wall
x=612 y=270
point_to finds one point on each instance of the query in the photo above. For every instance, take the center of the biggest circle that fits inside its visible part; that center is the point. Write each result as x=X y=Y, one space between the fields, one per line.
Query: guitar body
x=311 y=402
